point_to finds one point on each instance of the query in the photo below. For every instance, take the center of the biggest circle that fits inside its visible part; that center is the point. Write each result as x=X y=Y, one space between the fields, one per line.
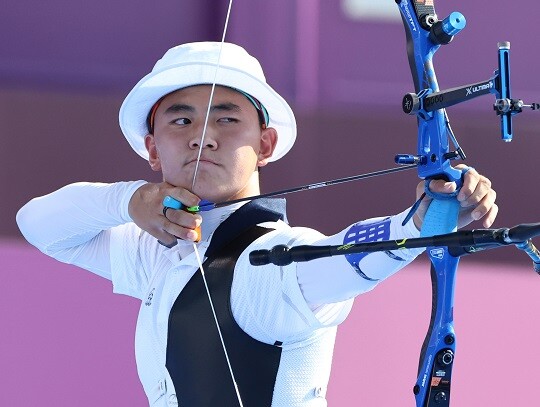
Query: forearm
x=75 y=214
x=339 y=278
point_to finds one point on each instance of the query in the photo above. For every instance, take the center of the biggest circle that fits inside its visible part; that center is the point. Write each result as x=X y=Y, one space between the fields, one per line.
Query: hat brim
x=137 y=105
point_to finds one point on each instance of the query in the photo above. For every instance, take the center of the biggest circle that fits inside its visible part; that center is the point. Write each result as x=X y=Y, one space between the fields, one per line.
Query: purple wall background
x=65 y=67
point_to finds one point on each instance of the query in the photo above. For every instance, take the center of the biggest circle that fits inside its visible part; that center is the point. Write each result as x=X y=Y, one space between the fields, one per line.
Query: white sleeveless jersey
x=300 y=305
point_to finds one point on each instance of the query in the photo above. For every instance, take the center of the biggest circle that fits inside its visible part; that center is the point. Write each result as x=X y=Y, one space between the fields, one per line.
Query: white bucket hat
x=196 y=64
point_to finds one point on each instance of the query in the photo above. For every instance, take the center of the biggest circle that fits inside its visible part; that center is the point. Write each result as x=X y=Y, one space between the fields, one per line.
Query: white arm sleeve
x=334 y=279
x=73 y=223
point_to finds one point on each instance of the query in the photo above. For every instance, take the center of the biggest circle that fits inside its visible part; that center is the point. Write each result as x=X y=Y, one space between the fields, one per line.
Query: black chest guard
x=195 y=358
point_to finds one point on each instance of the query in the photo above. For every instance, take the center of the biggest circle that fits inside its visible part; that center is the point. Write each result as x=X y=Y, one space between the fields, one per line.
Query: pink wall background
x=67 y=340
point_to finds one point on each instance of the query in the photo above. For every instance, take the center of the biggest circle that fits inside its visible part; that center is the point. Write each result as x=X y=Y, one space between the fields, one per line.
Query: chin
x=209 y=193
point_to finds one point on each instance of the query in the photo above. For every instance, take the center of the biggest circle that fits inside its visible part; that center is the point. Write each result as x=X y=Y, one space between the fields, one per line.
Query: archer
x=277 y=325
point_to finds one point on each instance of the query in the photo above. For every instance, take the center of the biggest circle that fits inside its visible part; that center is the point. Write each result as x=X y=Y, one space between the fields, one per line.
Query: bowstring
x=199 y=261
x=211 y=95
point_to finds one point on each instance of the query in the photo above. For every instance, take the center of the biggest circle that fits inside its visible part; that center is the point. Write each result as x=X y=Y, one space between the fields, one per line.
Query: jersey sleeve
x=80 y=223
x=334 y=279
x=267 y=301
x=290 y=303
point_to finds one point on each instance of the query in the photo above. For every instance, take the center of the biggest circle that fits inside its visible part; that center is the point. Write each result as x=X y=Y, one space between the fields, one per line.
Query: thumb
x=442 y=186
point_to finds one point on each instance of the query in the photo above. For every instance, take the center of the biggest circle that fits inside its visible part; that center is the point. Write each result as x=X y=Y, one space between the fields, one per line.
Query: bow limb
x=195 y=248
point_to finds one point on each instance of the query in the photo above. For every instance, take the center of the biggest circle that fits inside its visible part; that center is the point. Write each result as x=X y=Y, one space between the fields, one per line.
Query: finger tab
x=198 y=231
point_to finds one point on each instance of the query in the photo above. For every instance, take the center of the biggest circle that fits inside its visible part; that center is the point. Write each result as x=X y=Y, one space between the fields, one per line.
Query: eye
x=181 y=121
x=228 y=120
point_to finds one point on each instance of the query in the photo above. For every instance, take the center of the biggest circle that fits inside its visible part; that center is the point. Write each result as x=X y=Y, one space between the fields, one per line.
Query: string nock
x=203 y=206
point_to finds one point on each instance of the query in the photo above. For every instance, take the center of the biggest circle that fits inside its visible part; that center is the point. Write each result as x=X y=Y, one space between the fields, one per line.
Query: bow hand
x=476 y=197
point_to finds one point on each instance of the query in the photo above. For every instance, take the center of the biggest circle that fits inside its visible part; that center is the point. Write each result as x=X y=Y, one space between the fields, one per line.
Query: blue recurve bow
x=425 y=34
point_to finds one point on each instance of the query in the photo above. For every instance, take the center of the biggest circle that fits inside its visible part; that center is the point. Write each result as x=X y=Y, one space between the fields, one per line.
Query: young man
x=277 y=324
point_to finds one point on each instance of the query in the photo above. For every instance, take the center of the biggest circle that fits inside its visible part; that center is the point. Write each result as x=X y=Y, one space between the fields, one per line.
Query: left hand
x=476 y=197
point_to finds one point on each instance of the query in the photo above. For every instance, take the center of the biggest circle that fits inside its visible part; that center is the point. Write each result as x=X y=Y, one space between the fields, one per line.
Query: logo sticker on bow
x=437 y=253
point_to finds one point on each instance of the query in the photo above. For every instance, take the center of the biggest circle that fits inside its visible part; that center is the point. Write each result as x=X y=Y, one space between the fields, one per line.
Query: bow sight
x=427 y=100
x=499 y=84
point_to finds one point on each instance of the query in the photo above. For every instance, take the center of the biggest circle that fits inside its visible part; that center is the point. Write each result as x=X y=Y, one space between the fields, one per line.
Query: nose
x=207 y=140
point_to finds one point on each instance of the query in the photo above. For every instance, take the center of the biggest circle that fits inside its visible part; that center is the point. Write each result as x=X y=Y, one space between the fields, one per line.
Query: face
x=234 y=144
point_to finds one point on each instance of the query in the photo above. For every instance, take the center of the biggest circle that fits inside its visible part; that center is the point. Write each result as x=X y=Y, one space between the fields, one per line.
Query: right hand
x=146 y=210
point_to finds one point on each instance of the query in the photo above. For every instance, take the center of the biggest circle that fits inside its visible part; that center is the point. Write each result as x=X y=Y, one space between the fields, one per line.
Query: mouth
x=202 y=161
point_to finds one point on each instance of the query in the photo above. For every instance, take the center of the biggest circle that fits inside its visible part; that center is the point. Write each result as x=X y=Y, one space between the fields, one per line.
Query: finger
x=181 y=224
x=184 y=196
x=183 y=218
x=179 y=232
x=163 y=237
x=481 y=211
x=484 y=205
x=481 y=191
x=442 y=186
x=470 y=182
x=489 y=219
x=474 y=187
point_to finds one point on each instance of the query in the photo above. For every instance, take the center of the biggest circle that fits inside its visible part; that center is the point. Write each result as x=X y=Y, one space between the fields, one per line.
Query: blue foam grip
x=441 y=217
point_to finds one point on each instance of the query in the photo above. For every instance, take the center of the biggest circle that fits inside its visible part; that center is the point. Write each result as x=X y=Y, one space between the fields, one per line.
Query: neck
x=251 y=188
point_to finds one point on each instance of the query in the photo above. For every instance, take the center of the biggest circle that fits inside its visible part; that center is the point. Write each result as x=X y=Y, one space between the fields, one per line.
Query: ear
x=267 y=146
x=153 y=159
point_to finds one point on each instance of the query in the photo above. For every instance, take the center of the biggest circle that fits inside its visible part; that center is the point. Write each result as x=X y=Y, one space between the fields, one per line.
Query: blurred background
x=65 y=67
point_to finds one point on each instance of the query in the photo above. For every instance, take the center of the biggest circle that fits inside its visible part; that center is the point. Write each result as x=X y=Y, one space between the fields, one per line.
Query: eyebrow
x=227 y=107
x=179 y=107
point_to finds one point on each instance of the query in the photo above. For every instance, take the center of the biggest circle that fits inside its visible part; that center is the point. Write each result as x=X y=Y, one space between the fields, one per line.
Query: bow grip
x=441 y=217
x=442 y=214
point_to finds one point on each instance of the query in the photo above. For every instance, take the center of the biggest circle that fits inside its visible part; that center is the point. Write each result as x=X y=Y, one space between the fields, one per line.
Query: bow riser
x=433 y=143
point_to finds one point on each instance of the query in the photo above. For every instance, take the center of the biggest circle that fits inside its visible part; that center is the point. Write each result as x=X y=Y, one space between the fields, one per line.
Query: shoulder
x=282 y=233
x=267 y=302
